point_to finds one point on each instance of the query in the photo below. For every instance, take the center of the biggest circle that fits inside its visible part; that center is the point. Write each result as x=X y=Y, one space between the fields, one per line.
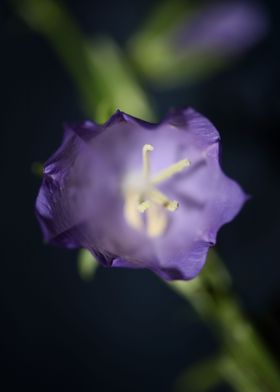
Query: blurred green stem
x=103 y=78
x=105 y=83
x=246 y=364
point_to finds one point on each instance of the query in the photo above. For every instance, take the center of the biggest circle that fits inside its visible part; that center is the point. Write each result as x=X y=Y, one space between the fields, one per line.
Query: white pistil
x=149 y=199
x=147 y=148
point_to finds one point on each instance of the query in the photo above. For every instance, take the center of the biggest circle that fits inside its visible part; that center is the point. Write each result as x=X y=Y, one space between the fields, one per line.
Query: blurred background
x=125 y=330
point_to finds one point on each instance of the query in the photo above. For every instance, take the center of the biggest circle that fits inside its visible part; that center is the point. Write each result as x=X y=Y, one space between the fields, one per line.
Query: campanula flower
x=137 y=194
x=226 y=28
x=185 y=41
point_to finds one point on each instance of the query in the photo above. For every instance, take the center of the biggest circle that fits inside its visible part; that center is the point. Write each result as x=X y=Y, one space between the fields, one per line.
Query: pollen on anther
x=142 y=207
x=172 y=205
x=148 y=147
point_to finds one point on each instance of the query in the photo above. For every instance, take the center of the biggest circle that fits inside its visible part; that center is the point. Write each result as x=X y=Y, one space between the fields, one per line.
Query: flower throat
x=146 y=208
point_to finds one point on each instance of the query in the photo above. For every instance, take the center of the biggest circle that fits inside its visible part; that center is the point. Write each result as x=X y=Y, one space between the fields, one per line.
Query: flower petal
x=82 y=200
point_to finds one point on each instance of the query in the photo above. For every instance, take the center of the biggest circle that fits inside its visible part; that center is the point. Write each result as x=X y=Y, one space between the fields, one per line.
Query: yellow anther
x=147 y=148
x=170 y=171
x=159 y=198
x=142 y=207
x=173 y=205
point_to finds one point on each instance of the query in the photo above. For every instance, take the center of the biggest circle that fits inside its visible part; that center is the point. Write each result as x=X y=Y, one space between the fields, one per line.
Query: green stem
x=244 y=352
x=104 y=80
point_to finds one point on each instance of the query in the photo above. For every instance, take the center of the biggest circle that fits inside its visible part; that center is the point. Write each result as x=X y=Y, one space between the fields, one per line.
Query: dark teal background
x=125 y=331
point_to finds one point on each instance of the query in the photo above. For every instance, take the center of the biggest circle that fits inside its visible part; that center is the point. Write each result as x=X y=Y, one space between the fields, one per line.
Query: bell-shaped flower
x=185 y=41
x=139 y=195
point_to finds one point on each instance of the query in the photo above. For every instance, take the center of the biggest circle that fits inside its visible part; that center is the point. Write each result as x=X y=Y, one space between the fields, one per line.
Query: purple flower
x=226 y=28
x=138 y=194
x=196 y=40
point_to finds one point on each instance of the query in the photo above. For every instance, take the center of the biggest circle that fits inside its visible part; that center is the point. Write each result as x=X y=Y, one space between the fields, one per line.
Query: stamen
x=159 y=198
x=147 y=148
x=170 y=171
x=142 y=207
x=146 y=198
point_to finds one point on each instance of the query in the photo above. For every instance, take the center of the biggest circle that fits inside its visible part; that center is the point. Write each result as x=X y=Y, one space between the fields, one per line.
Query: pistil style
x=147 y=148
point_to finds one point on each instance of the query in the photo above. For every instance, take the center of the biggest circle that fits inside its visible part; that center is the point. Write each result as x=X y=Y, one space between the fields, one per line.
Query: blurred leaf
x=87 y=264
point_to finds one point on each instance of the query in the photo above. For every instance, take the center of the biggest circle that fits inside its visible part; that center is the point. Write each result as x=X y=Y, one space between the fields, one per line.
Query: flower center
x=146 y=208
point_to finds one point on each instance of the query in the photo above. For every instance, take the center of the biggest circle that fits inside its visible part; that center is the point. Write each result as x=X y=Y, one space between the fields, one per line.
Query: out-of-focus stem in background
x=102 y=77
x=244 y=361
